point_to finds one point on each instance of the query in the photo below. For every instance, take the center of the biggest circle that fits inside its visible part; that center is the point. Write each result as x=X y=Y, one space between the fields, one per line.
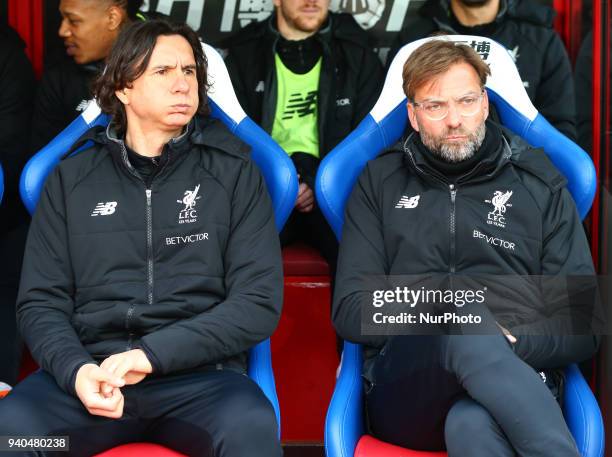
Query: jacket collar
x=439 y=11
x=201 y=131
x=487 y=168
x=324 y=34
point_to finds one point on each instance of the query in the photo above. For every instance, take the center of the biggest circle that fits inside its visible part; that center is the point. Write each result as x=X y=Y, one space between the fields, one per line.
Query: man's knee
x=469 y=427
x=248 y=427
x=20 y=416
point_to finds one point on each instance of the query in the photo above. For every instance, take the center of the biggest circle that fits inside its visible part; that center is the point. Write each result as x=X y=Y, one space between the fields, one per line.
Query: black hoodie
x=350 y=82
x=524 y=27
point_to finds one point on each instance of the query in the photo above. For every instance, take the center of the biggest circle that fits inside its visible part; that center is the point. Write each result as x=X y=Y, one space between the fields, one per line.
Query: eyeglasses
x=436 y=110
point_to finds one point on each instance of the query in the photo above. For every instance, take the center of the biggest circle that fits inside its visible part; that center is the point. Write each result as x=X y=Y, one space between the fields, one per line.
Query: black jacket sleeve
x=370 y=83
x=555 y=96
x=45 y=304
x=234 y=70
x=566 y=335
x=254 y=283
x=361 y=258
x=54 y=106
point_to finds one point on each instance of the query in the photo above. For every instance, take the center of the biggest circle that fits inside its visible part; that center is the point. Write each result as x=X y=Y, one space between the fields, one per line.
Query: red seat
x=303 y=346
x=300 y=259
x=140 y=449
x=369 y=446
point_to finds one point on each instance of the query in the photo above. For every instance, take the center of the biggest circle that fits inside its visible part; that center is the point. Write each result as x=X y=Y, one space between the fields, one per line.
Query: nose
x=64 y=30
x=453 y=118
x=180 y=83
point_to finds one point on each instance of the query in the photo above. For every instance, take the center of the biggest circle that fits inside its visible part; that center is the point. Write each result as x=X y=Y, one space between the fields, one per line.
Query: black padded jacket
x=188 y=268
x=405 y=218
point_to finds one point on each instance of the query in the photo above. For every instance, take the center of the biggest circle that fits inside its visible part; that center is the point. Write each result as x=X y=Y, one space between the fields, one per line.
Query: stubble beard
x=454 y=152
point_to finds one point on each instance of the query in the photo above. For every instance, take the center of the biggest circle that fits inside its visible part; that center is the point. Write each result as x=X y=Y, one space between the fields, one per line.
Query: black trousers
x=468 y=394
x=12 y=244
x=211 y=414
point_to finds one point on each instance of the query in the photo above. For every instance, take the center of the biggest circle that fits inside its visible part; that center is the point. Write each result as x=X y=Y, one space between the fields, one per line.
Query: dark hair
x=129 y=57
x=131 y=7
x=435 y=58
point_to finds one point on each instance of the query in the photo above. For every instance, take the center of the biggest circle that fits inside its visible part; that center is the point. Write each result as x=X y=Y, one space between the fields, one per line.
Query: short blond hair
x=435 y=58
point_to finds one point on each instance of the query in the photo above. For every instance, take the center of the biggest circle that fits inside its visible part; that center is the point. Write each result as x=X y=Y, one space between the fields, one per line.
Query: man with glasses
x=460 y=197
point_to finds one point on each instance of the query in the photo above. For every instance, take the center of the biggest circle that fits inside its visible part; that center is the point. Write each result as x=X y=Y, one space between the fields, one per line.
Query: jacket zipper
x=453 y=195
x=128 y=318
x=149 y=248
x=452 y=221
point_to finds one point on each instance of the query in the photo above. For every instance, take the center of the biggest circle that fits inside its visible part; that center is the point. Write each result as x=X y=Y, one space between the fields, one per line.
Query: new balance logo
x=104 y=209
x=408 y=202
x=300 y=105
x=82 y=105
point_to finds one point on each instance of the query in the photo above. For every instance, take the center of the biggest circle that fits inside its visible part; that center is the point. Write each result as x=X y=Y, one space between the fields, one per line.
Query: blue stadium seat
x=276 y=167
x=344 y=430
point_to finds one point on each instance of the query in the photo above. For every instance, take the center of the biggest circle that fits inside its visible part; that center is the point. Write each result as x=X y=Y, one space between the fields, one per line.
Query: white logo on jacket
x=408 y=202
x=83 y=104
x=499 y=202
x=189 y=214
x=104 y=209
x=514 y=53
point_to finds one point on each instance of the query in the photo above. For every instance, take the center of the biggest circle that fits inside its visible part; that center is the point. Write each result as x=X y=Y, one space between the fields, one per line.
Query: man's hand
x=507 y=333
x=305 y=199
x=88 y=385
x=132 y=366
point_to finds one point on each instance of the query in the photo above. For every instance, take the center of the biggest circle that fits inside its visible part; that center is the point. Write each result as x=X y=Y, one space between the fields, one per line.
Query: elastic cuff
x=152 y=358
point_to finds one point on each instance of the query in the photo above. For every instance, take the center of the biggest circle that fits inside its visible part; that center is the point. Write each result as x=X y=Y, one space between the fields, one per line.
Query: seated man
x=424 y=208
x=152 y=265
x=316 y=82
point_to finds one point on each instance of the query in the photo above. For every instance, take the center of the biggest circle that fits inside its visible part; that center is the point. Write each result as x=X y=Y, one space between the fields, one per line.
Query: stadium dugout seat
x=277 y=170
x=345 y=432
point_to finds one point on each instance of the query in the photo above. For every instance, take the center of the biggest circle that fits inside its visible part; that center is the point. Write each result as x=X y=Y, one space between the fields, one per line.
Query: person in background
x=88 y=28
x=317 y=80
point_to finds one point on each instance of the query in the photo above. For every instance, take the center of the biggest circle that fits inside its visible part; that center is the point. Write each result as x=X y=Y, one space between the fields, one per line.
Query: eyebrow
x=191 y=66
x=70 y=15
x=439 y=100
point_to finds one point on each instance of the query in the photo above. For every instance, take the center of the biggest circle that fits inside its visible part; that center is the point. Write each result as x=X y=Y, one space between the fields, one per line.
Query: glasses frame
x=428 y=116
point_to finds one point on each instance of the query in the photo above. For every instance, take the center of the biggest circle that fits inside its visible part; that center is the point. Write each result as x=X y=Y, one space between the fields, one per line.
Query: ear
x=412 y=116
x=277 y=3
x=116 y=17
x=485 y=104
x=123 y=95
